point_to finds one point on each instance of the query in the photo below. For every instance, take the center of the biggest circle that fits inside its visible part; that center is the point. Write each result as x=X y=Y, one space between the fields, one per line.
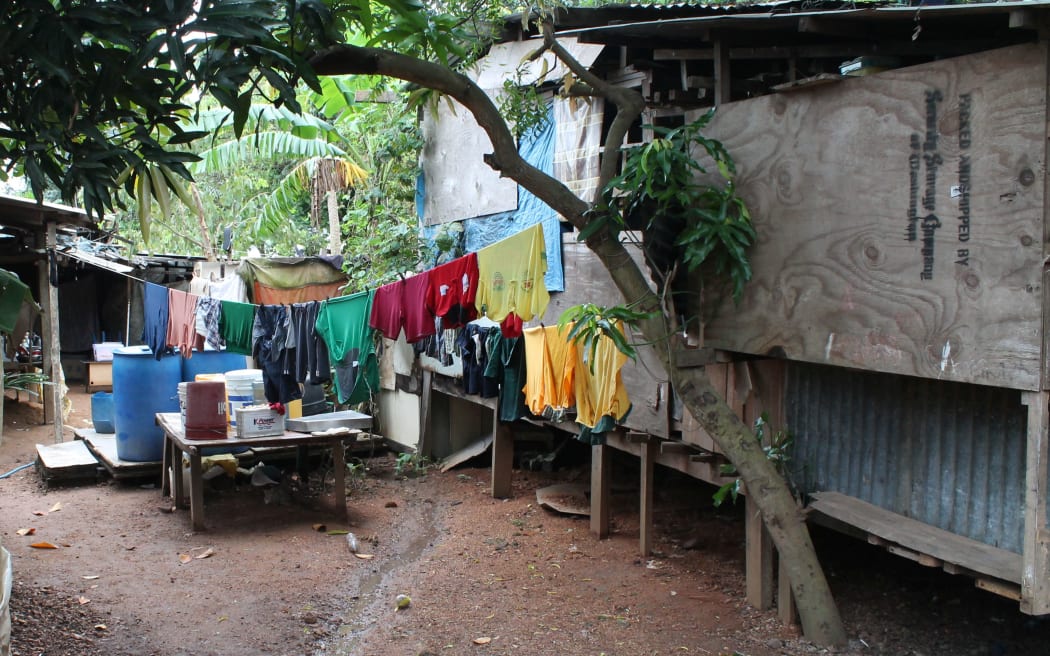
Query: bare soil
x=484 y=576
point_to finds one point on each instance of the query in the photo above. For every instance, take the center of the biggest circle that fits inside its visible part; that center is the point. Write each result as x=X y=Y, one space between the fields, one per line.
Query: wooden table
x=175 y=442
x=99 y=376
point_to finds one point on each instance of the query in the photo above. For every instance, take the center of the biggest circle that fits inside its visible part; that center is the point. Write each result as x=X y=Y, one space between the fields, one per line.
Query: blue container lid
x=133 y=350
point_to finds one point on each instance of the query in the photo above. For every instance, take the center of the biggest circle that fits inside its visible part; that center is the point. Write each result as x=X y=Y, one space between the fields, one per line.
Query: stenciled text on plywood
x=924 y=163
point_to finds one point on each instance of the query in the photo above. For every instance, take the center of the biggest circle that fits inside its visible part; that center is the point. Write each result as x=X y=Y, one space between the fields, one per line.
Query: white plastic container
x=182 y=401
x=104 y=352
x=258 y=421
x=240 y=390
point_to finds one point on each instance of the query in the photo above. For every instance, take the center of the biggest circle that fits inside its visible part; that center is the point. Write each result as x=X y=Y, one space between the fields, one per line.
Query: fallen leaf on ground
x=56 y=507
x=39 y=513
x=43 y=545
x=320 y=528
x=90 y=577
x=337 y=531
x=365 y=556
x=482 y=641
x=26 y=531
x=206 y=554
x=185 y=558
x=100 y=627
x=83 y=600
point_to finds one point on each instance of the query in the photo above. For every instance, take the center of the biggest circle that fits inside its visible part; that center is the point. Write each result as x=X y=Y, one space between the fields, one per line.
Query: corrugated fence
x=948 y=454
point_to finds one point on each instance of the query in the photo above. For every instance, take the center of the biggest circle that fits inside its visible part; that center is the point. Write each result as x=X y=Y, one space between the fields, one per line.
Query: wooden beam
x=1001 y=588
x=424 y=447
x=837 y=51
x=645 y=515
x=502 y=458
x=831 y=27
x=52 y=360
x=723 y=82
x=758 y=560
x=1035 y=574
x=600 y=475
x=786 y=610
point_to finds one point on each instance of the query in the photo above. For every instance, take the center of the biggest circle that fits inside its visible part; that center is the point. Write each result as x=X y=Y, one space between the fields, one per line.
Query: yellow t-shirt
x=602 y=392
x=511 y=276
x=550 y=359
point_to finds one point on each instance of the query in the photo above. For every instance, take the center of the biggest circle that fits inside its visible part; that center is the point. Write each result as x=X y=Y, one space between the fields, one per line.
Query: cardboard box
x=258 y=421
x=104 y=352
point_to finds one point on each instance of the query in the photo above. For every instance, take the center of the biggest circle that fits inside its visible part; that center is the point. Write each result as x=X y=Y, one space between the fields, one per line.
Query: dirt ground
x=484 y=576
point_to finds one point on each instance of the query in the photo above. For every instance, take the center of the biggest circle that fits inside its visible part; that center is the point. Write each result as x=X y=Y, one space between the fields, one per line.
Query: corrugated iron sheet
x=948 y=454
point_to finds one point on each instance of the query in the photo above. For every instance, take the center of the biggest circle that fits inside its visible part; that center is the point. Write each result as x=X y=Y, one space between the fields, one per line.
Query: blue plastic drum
x=142 y=387
x=211 y=362
x=102 y=412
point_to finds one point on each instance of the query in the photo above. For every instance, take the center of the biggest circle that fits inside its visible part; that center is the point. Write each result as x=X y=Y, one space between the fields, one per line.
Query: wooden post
x=758 y=559
x=502 y=457
x=600 y=459
x=645 y=518
x=424 y=448
x=785 y=599
x=51 y=348
x=723 y=85
x=1035 y=575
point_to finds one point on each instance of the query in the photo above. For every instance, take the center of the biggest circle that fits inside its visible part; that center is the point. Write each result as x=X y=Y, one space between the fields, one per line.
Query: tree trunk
x=820 y=617
x=335 y=237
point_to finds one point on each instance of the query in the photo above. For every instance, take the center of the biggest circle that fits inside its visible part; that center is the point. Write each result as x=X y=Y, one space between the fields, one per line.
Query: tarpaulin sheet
x=537 y=147
x=12 y=292
x=283 y=280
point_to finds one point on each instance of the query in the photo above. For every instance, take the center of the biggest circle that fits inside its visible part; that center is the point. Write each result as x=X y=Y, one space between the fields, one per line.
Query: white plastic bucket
x=240 y=390
x=182 y=401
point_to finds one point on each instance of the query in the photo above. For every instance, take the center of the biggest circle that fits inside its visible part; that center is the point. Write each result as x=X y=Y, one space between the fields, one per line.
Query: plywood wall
x=900 y=220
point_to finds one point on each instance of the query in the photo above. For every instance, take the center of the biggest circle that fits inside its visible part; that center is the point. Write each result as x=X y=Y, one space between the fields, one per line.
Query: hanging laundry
x=235 y=323
x=550 y=363
x=507 y=365
x=473 y=346
x=599 y=384
x=209 y=311
x=200 y=286
x=386 y=310
x=311 y=364
x=511 y=276
x=417 y=320
x=451 y=291
x=269 y=339
x=230 y=288
x=182 y=323
x=12 y=292
x=155 y=318
x=401 y=306
x=343 y=324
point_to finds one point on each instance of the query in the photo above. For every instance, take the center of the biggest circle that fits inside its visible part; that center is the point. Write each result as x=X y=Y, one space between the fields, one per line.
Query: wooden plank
x=502 y=458
x=1035 y=581
x=647 y=485
x=849 y=269
x=424 y=446
x=919 y=537
x=723 y=80
x=66 y=461
x=600 y=478
x=758 y=558
x=459 y=185
x=52 y=360
x=786 y=610
x=104 y=446
x=1001 y=588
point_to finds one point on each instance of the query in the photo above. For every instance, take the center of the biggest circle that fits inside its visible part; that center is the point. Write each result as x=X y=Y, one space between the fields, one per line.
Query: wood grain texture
x=827 y=175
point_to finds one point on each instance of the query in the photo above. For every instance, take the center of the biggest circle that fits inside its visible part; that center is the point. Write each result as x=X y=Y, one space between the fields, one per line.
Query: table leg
x=166 y=460
x=339 y=464
x=196 y=492
x=178 y=489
